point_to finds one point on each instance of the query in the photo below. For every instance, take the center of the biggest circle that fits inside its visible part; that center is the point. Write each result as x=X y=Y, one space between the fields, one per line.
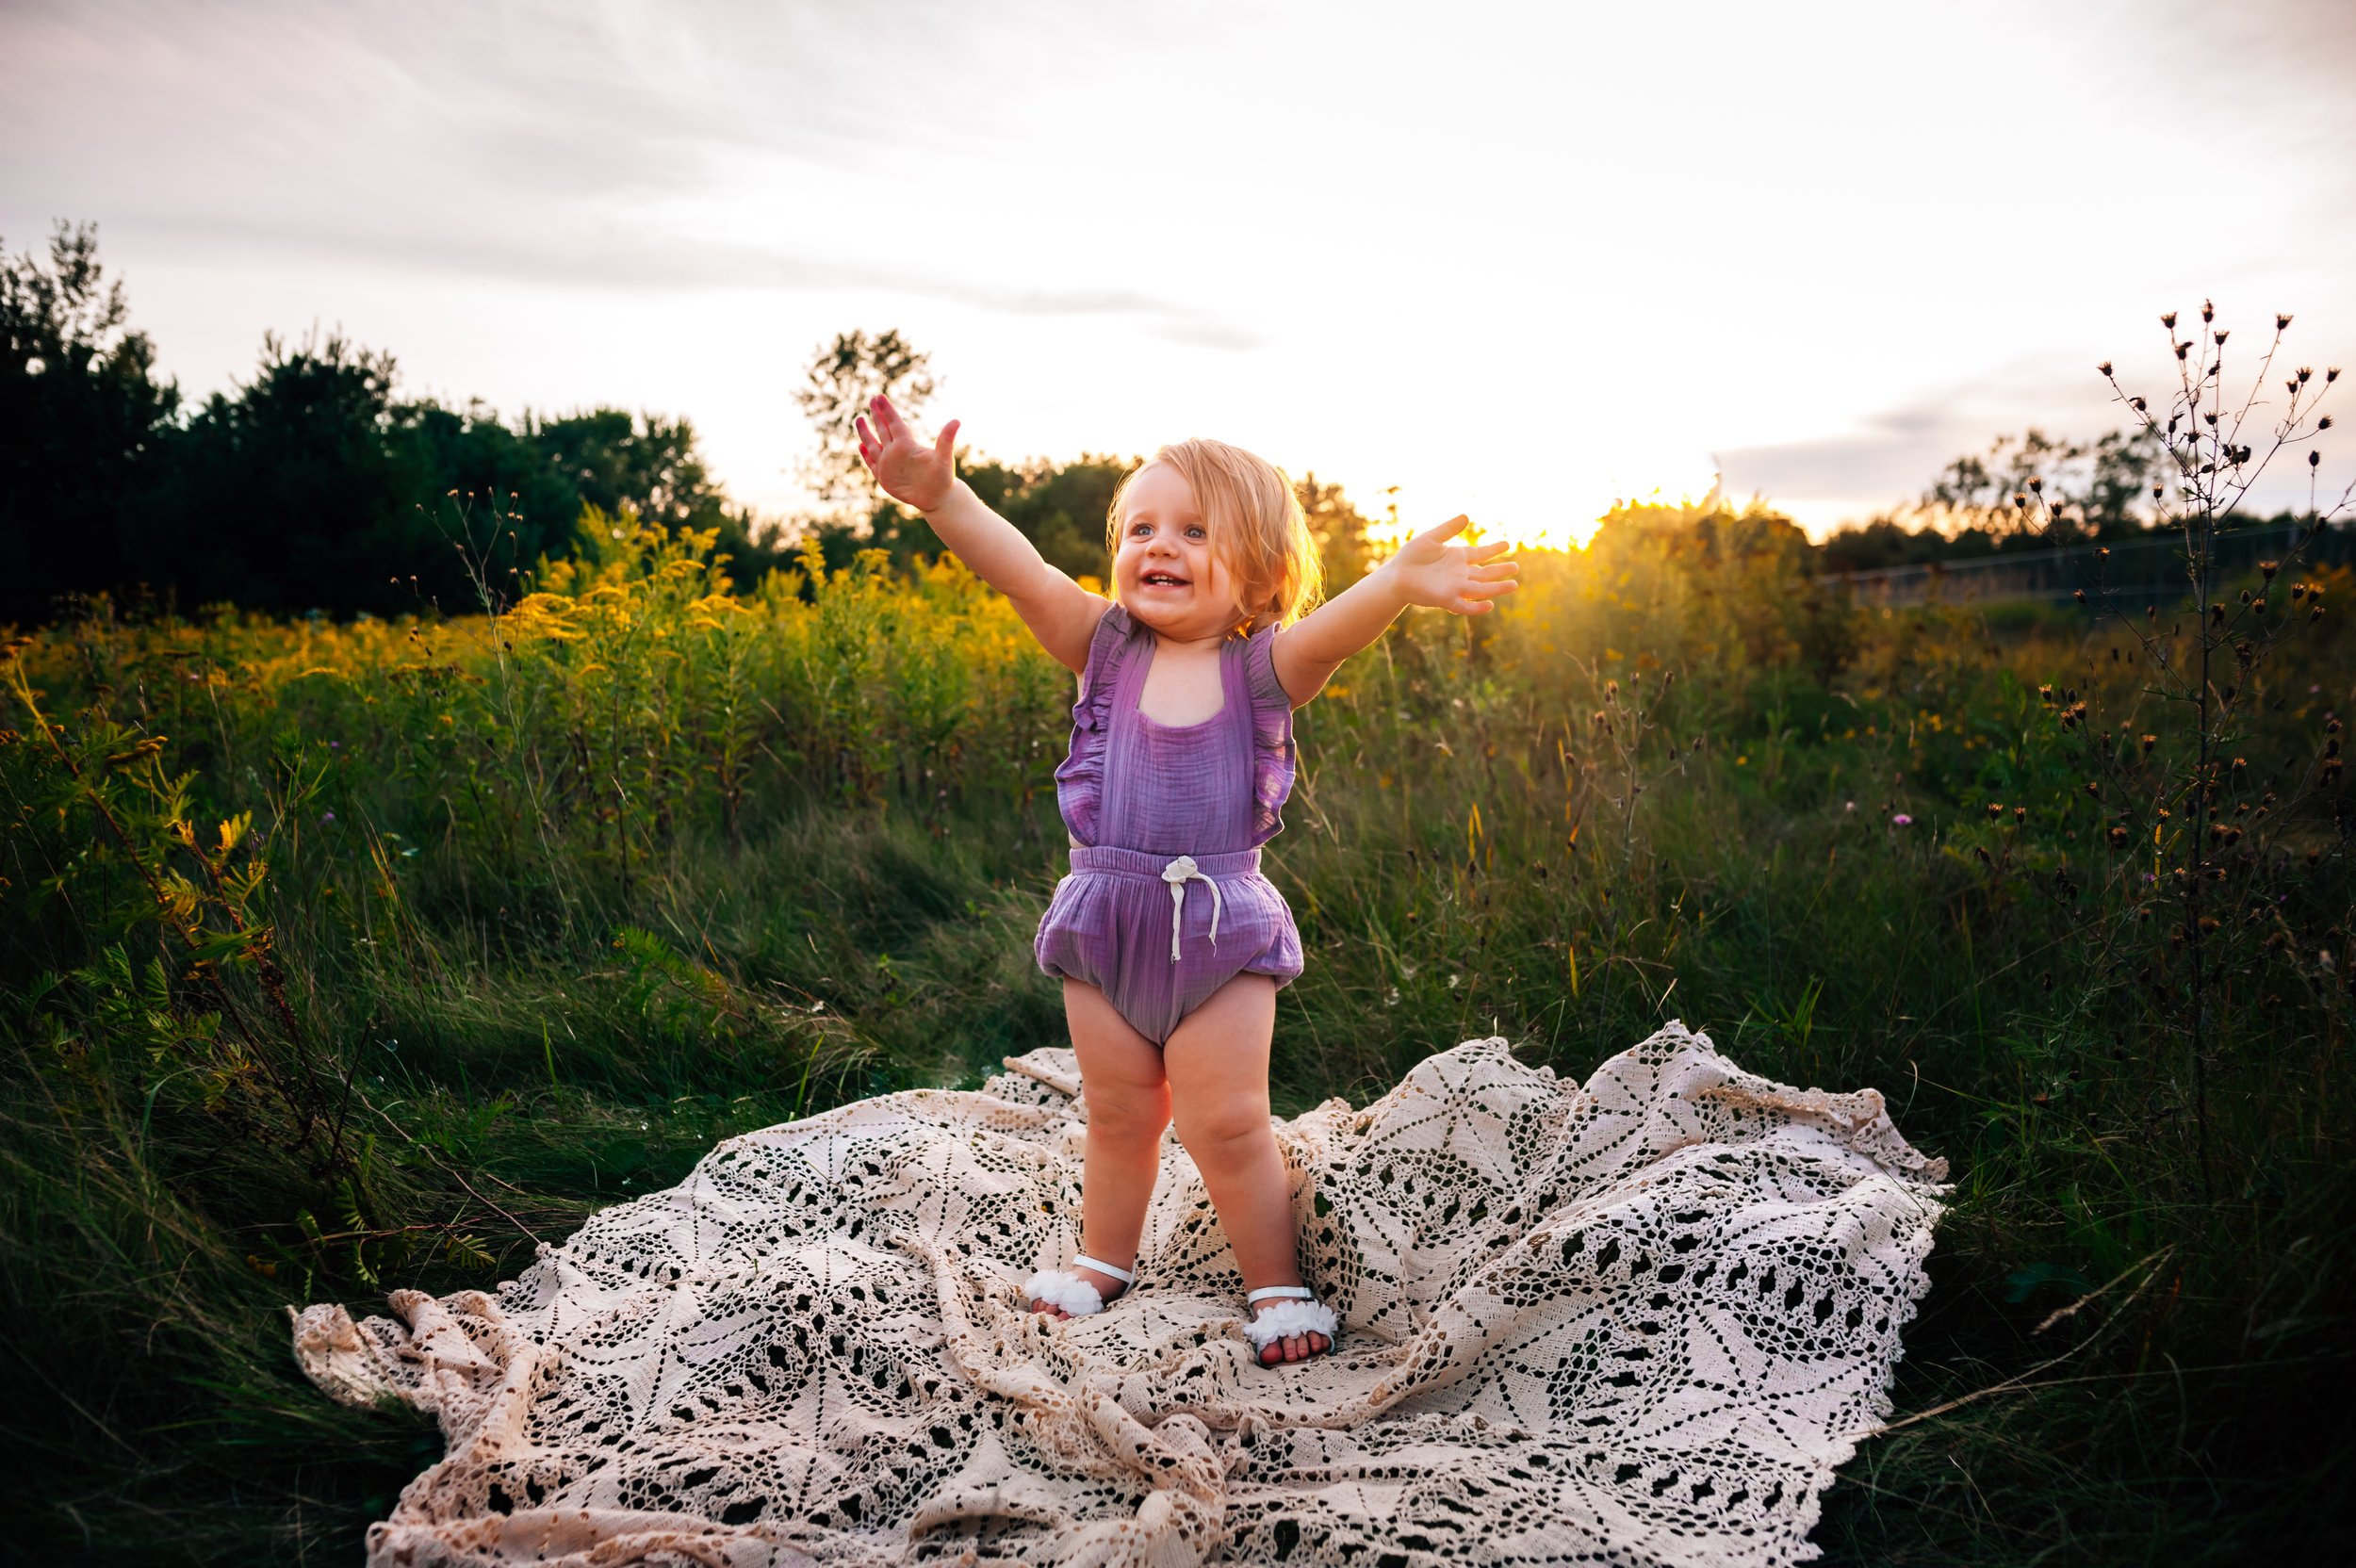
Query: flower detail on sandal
x=1302 y=1314
x=1060 y=1287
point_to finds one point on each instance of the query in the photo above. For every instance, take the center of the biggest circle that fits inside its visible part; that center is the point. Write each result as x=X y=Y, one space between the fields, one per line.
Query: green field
x=340 y=959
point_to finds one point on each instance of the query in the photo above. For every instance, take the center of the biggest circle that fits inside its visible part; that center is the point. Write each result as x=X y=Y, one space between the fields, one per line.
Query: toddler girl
x=1182 y=755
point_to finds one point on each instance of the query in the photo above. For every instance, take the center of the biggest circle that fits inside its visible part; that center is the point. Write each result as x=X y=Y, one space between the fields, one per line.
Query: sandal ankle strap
x=1126 y=1277
x=1266 y=1292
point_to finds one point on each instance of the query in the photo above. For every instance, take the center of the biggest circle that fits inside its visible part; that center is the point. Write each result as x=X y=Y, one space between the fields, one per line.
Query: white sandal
x=1060 y=1287
x=1302 y=1314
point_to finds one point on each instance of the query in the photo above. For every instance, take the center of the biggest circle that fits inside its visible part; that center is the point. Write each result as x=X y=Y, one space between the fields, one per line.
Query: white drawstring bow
x=1177 y=874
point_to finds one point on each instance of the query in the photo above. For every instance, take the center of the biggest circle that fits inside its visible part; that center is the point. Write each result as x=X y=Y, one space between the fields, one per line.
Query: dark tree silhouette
x=81 y=417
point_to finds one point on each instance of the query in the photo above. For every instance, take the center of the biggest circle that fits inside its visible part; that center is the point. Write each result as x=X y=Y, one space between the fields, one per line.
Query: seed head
x=2331 y=375
x=2106 y=368
x=2221 y=338
x=2094 y=788
x=2138 y=404
x=2324 y=423
x=2118 y=837
x=2182 y=350
x=2314 y=459
x=2045 y=695
x=2020 y=813
x=2208 y=311
x=2304 y=371
x=1995 y=809
x=2149 y=742
x=2282 y=323
x=2169 y=320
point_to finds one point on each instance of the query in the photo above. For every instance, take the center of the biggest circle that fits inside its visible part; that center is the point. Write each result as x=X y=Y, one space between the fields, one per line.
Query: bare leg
x=1128 y=1106
x=1217 y=1063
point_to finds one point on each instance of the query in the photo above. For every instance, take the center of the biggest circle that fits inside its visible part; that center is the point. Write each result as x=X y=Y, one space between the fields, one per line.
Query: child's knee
x=1129 y=1107
x=1224 y=1120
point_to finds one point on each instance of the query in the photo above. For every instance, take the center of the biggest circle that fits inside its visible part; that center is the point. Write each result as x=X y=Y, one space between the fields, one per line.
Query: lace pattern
x=1637 y=1322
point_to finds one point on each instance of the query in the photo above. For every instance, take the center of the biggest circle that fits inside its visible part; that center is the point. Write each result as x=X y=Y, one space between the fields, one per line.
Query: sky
x=1515 y=260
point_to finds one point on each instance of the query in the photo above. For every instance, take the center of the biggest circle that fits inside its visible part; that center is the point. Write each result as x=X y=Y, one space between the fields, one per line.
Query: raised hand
x=910 y=472
x=1458 y=578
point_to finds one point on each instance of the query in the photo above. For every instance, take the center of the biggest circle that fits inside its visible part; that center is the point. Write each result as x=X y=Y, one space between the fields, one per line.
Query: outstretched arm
x=1061 y=613
x=1427 y=570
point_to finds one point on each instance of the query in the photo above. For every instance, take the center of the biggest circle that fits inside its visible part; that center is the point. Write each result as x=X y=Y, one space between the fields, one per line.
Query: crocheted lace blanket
x=1634 y=1321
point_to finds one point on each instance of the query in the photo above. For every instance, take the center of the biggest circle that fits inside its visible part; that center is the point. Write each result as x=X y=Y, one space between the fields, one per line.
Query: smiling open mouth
x=1162 y=580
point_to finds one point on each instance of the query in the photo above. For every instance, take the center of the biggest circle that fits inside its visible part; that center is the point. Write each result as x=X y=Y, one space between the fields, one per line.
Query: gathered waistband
x=1175 y=870
x=1138 y=862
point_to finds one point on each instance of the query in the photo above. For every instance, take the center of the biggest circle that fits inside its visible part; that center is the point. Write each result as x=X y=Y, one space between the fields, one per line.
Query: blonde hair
x=1259 y=530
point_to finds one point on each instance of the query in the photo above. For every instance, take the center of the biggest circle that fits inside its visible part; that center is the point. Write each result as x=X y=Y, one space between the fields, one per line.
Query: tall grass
x=557 y=896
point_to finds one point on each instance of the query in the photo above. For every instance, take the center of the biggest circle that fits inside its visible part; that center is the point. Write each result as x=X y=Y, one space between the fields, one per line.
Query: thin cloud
x=551 y=146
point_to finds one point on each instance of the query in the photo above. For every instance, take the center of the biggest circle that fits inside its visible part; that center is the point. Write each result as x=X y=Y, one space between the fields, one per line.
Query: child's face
x=1168 y=575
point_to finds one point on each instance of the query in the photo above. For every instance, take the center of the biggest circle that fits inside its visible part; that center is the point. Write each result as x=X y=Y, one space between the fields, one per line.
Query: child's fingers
x=1486 y=590
x=945 y=444
x=1440 y=533
x=887 y=417
x=1487 y=552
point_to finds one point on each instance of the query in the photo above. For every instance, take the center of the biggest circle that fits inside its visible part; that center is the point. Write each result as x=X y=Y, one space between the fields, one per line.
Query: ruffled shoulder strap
x=1080 y=782
x=1273 y=754
x=1108 y=648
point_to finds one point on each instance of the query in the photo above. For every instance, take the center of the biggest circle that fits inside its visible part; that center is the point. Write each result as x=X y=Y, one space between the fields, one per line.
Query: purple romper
x=1167 y=823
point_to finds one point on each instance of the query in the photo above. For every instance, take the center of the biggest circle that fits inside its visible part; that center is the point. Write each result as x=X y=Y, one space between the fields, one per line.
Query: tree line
x=318 y=486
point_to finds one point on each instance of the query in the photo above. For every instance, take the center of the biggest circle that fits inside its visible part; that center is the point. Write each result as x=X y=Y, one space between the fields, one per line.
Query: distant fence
x=2139 y=571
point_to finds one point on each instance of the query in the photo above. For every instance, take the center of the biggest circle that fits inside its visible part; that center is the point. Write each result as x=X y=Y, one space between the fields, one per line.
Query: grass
x=557 y=899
